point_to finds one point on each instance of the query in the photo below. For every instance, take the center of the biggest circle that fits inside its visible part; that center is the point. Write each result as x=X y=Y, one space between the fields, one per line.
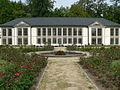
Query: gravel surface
x=63 y=73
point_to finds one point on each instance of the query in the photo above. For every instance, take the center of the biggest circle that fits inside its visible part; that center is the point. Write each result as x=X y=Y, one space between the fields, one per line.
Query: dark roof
x=60 y=21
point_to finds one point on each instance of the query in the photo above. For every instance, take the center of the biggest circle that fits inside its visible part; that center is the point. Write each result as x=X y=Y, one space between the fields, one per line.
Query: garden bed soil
x=94 y=78
x=37 y=79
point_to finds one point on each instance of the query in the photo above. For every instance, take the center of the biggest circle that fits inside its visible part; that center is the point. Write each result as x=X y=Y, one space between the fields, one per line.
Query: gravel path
x=65 y=74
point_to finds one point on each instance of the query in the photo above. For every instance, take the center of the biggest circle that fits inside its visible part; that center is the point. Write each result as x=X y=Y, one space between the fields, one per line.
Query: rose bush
x=100 y=65
x=20 y=70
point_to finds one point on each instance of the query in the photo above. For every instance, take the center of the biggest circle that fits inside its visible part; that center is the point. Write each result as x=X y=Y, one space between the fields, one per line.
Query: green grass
x=116 y=63
x=2 y=62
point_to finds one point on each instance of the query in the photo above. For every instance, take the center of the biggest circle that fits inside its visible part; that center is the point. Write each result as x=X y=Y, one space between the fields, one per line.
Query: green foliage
x=41 y=8
x=35 y=49
x=11 y=10
x=19 y=73
x=77 y=11
x=60 y=53
x=100 y=66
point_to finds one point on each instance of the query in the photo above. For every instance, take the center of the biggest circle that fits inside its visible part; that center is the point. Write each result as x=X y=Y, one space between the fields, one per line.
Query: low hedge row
x=34 y=49
x=19 y=70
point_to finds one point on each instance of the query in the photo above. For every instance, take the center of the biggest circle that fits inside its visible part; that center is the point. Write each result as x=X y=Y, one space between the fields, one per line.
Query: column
x=72 y=35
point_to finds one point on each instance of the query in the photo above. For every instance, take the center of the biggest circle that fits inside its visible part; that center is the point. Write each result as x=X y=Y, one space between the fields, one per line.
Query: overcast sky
x=59 y=3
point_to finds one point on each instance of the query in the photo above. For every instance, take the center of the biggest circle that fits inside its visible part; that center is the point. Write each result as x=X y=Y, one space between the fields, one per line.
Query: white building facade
x=62 y=31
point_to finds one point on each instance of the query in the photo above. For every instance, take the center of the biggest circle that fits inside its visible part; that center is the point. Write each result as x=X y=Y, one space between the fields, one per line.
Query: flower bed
x=101 y=66
x=19 y=70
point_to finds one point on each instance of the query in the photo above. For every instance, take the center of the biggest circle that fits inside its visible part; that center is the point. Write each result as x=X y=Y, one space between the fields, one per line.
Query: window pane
x=80 y=32
x=93 y=31
x=39 y=31
x=74 y=40
x=4 y=32
x=25 y=40
x=93 y=40
x=54 y=31
x=9 y=32
x=19 y=31
x=80 y=40
x=44 y=41
x=59 y=41
x=75 y=31
x=111 y=40
x=49 y=40
x=112 y=32
x=19 y=40
x=70 y=40
x=4 y=41
x=64 y=40
x=39 y=41
x=25 y=31
x=9 y=40
x=116 y=41
x=99 y=32
x=117 y=32
x=59 y=31
x=69 y=31
x=99 y=40
x=44 y=31
x=54 y=40
x=49 y=31
x=64 y=31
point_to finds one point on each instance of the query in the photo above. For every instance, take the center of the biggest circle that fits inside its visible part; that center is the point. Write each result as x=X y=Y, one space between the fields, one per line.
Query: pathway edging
x=88 y=78
x=41 y=78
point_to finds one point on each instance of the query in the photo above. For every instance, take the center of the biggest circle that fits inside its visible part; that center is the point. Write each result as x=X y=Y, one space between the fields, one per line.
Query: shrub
x=35 y=49
x=20 y=70
x=60 y=53
x=100 y=66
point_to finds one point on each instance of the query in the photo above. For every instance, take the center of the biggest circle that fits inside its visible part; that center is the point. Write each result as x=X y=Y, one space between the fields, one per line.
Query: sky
x=59 y=3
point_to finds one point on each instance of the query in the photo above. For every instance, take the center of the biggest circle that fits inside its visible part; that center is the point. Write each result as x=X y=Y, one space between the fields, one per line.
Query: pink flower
x=46 y=57
x=17 y=74
x=11 y=77
x=1 y=74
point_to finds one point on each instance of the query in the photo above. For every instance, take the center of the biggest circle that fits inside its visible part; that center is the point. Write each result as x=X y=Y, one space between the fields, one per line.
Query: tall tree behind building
x=40 y=8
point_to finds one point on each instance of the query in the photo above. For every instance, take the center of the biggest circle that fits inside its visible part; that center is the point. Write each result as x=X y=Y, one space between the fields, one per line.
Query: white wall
x=85 y=36
x=34 y=35
x=106 y=36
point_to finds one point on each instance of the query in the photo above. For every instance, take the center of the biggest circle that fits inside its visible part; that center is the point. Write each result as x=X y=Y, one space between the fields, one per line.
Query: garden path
x=64 y=73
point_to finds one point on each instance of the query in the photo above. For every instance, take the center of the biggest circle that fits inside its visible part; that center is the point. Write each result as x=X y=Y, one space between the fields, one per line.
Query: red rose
x=17 y=74
x=26 y=66
x=11 y=77
x=1 y=74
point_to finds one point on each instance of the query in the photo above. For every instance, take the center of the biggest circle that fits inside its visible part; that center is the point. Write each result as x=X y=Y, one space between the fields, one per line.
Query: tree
x=40 y=8
x=11 y=10
x=77 y=11
x=60 y=12
x=88 y=5
x=116 y=2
